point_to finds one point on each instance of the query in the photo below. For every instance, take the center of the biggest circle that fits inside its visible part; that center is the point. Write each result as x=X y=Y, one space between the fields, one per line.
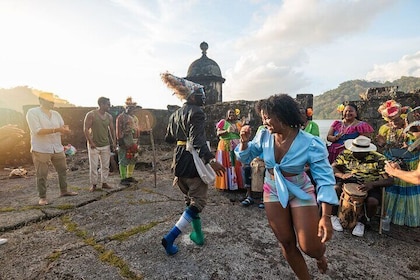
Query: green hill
x=325 y=105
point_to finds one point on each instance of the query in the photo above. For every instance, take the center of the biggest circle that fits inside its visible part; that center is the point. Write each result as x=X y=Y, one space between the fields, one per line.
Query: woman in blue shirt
x=291 y=202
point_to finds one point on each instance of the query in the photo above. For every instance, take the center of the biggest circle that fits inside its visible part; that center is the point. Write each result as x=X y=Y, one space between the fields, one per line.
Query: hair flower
x=389 y=108
x=340 y=108
x=389 y=103
x=237 y=112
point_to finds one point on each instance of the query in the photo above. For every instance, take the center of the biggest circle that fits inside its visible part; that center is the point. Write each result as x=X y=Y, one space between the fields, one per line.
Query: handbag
x=205 y=171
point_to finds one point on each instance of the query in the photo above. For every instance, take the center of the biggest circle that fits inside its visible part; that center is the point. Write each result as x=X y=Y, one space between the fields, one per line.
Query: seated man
x=254 y=168
x=252 y=172
x=360 y=163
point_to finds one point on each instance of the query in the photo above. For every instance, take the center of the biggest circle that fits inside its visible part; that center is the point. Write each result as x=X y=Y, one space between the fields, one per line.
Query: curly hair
x=285 y=108
x=258 y=106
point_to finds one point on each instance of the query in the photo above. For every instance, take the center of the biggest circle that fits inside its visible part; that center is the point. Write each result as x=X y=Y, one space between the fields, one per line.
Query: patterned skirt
x=232 y=179
x=402 y=200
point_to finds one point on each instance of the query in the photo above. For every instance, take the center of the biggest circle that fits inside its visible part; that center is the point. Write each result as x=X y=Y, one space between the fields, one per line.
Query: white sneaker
x=3 y=240
x=335 y=221
x=359 y=229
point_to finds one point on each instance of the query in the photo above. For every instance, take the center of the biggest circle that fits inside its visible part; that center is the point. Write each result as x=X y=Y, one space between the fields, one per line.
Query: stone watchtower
x=206 y=72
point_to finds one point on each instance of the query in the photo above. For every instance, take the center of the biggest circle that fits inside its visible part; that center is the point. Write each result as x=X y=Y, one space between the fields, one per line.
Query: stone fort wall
x=158 y=119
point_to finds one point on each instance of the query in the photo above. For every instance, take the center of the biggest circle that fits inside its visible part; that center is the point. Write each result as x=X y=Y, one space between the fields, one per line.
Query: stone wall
x=373 y=98
x=158 y=119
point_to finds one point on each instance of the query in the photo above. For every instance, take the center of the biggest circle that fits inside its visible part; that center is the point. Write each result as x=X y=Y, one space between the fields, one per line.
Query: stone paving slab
x=116 y=234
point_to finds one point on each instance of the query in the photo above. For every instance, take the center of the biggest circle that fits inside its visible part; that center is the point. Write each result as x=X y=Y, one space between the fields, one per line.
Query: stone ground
x=115 y=234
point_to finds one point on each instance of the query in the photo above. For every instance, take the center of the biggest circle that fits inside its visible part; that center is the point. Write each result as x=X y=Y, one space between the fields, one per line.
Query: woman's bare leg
x=280 y=221
x=305 y=220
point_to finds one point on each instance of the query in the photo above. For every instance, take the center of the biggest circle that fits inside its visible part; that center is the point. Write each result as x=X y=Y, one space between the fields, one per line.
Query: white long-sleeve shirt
x=48 y=143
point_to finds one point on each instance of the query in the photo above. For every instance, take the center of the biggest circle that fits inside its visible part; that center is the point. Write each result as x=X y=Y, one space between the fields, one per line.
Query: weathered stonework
x=159 y=119
x=206 y=72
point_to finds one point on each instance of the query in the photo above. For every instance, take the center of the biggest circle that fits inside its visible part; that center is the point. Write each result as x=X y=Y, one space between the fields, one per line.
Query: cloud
x=408 y=65
x=263 y=47
x=274 y=54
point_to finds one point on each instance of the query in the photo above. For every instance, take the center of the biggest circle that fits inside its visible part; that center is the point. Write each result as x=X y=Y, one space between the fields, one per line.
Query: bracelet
x=213 y=160
x=329 y=216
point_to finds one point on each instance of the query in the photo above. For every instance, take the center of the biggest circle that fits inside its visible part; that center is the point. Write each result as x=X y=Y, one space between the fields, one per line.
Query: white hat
x=413 y=119
x=360 y=144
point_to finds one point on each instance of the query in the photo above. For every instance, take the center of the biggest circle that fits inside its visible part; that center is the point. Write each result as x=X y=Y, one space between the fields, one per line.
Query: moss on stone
x=139 y=229
x=107 y=256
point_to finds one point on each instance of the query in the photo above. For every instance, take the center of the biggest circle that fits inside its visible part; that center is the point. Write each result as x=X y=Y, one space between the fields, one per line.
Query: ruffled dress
x=349 y=132
x=402 y=199
x=232 y=179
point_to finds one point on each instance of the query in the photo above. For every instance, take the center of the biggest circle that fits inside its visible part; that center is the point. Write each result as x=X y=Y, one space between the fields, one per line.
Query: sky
x=81 y=50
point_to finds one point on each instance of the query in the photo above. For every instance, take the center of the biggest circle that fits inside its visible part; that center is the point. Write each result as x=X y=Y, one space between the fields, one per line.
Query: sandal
x=247 y=201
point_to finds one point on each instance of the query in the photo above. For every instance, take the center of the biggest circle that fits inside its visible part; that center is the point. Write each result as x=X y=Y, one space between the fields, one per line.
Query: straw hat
x=360 y=144
x=129 y=102
x=46 y=96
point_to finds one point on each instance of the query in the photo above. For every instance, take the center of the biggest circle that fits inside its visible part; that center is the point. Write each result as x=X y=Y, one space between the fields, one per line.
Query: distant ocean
x=324 y=126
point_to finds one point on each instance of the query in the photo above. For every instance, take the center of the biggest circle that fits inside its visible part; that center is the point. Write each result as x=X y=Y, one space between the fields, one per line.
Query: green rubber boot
x=197 y=235
x=123 y=171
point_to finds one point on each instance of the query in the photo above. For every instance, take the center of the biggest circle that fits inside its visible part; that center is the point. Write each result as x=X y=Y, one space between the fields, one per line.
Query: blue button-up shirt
x=305 y=149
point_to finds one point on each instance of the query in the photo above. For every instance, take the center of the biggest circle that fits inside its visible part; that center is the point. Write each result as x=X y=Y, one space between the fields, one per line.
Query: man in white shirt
x=46 y=127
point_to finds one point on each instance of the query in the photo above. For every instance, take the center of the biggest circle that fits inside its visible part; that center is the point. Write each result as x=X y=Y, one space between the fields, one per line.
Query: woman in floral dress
x=228 y=132
x=402 y=199
x=349 y=127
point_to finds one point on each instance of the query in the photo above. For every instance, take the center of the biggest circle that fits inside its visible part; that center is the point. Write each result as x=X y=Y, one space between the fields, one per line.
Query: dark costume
x=188 y=123
x=127 y=127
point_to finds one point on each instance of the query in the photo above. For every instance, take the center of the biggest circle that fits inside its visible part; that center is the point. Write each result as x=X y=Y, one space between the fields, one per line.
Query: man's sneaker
x=359 y=229
x=3 y=241
x=335 y=221
x=247 y=201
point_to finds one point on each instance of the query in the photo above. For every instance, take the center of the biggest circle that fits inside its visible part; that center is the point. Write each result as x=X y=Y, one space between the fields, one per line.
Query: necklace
x=395 y=137
x=286 y=138
x=234 y=126
x=350 y=124
x=344 y=129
